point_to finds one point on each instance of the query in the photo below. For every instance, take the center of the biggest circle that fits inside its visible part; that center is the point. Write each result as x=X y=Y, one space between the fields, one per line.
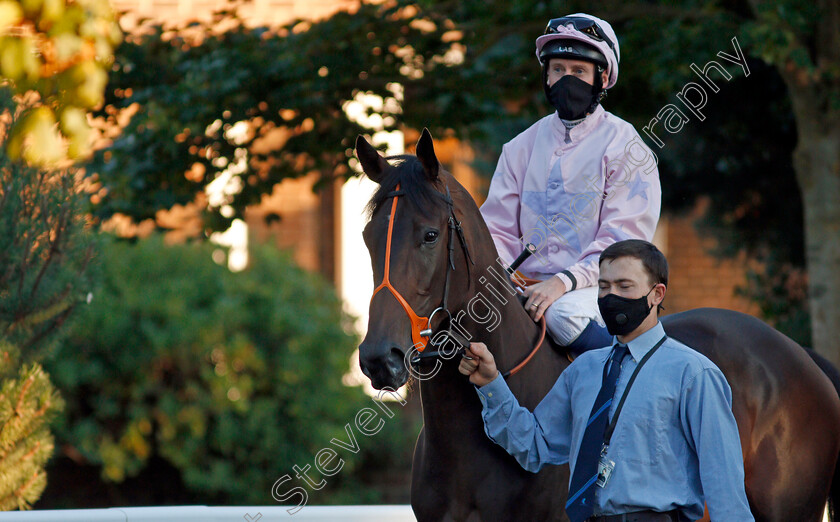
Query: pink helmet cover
x=567 y=33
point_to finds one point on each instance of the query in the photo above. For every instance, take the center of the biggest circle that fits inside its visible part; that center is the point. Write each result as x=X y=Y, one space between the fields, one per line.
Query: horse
x=432 y=253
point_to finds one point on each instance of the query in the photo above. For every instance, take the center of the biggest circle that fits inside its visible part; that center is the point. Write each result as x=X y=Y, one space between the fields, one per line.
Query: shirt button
x=553 y=185
x=558 y=152
x=489 y=394
x=553 y=249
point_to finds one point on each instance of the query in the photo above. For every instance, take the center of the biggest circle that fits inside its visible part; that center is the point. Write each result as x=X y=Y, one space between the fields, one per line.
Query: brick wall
x=289 y=216
x=255 y=12
x=697 y=279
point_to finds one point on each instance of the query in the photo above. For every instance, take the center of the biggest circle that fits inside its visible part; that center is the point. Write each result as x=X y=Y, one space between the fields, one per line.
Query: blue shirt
x=675 y=443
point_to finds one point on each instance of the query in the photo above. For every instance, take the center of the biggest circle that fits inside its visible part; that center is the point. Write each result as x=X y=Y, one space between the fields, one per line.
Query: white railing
x=218 y=514
x=222 y=514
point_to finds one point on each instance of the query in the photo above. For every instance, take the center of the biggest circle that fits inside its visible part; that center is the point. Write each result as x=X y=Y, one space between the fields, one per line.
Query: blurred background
x=183 y=282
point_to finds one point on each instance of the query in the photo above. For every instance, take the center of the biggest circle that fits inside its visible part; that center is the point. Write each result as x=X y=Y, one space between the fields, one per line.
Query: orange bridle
x=418 y=324
x=421 y=327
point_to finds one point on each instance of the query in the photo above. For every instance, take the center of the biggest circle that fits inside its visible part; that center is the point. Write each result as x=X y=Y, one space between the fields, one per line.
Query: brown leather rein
x=421 y=327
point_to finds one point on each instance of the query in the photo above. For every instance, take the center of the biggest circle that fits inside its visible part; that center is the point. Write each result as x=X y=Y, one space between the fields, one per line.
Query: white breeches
x=568 y=316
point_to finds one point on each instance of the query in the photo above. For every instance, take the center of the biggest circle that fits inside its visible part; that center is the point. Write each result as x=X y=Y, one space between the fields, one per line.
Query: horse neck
x=450 y=402
x=516 y=334
x=448 y=395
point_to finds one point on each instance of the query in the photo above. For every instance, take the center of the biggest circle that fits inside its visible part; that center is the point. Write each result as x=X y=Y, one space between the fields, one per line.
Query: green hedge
x=231 y=377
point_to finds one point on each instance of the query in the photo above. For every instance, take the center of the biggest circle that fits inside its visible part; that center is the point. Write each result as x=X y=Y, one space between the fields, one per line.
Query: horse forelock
x=406 y=171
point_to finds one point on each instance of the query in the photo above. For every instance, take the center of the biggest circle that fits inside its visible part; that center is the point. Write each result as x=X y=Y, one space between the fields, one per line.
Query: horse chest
x=478 y=481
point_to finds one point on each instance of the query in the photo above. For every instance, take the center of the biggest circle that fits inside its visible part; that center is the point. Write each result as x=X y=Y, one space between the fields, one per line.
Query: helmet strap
x=599 y=88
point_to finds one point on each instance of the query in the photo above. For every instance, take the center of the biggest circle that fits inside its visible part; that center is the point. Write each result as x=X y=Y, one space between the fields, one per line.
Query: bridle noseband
x=421 y=327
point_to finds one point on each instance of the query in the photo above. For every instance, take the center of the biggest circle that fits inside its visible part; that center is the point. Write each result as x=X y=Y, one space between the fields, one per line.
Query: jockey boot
x=592 y=337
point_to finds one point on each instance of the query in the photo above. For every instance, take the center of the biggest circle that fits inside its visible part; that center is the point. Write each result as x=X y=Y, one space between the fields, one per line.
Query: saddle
x=520 y=283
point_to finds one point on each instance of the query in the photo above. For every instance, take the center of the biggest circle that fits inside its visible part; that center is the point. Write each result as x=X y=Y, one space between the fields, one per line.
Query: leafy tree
x=231 y=98
x=54 y=54
x=739 y=158
x=229 y=378
x=802 y=40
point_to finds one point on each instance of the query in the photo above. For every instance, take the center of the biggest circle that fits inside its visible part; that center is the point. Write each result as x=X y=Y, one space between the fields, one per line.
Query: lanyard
x=611 y=427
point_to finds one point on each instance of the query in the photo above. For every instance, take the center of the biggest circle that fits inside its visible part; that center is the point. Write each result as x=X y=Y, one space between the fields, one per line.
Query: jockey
x=573 y=183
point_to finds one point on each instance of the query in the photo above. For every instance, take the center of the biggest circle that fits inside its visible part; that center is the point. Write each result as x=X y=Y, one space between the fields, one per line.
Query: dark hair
x=651 y=257
x=407 y=172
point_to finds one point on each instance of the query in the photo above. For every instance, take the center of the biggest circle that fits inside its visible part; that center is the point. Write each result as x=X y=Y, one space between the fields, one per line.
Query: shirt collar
x=571 y=124
x=580 y=130
x=642 y=344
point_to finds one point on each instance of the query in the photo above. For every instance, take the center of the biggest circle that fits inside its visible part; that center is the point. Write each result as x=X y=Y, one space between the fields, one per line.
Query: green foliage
x=291 y=84
x=288 y=85
x=739 y=159
x=782 y=31
x=55 y=54
x=45 y=251
x=230 y=377
x=744 y=151
x=27 y=402
x=781 y=292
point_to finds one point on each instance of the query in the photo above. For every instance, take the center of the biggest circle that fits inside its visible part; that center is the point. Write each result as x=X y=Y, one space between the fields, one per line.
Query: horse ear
x=426 y=155
x=372 y=163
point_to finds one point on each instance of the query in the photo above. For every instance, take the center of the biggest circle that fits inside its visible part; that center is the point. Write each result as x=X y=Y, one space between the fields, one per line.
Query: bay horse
x=432 y=253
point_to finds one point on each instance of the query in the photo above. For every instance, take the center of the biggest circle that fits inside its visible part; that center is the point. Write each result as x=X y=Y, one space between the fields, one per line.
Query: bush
x=229 y=377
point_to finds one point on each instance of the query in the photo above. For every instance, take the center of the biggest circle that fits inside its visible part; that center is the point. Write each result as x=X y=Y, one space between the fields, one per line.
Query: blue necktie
x=582 y=487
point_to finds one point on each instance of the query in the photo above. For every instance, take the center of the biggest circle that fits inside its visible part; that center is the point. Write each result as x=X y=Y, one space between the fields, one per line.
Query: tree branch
x=57 y=322
x=54 y=249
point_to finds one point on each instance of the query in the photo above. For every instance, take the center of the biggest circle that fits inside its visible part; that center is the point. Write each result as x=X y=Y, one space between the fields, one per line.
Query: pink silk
x=572 y=196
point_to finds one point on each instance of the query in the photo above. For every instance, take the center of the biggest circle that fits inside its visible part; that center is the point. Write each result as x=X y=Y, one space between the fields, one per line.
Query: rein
x=421 y=327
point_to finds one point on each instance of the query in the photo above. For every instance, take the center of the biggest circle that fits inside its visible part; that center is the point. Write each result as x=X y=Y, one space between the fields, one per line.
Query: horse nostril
x=383 y=365
x=395 y=361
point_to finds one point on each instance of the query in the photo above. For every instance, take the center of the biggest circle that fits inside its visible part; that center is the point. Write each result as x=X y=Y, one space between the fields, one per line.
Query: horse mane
x=407 y=171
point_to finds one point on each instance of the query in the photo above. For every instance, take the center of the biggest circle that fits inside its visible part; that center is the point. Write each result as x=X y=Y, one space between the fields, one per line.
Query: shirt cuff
x=568 y=280
x=494 y=393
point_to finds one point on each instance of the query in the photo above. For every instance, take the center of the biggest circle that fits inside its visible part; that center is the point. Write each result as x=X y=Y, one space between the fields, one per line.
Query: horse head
x=411 y=237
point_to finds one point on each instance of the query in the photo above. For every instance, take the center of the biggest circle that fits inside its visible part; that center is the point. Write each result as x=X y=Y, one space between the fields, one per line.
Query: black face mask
x=572 y=97
x=622 y=314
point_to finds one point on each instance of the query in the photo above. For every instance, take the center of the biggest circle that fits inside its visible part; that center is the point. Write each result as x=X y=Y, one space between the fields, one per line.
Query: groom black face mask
x=622 y=315
x=572 y=97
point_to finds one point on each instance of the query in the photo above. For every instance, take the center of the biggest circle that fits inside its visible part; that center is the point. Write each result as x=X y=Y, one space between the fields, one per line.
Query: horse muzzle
x=383 y=365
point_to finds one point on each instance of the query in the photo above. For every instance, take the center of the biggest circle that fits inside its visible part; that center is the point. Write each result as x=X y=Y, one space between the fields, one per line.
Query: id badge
x=605 y=469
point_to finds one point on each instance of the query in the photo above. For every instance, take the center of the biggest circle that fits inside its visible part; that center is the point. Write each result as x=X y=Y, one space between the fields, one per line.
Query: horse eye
x=431 y=236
